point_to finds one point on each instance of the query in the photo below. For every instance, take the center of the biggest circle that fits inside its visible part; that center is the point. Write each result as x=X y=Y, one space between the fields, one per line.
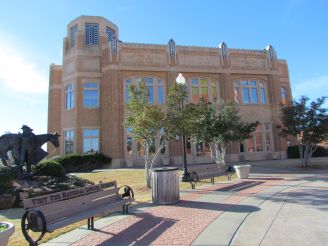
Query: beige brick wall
x=100 y=64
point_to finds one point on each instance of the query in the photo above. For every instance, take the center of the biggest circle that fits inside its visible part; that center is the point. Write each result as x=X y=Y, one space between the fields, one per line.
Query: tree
x=308 y=123
x=219 y=127
x=145 y=121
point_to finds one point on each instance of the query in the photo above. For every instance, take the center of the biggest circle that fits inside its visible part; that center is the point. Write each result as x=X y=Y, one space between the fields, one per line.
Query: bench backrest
x=63 y=204
x=208 y=169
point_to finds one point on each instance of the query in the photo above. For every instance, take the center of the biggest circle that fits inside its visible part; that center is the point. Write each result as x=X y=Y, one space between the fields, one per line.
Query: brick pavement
x=177 y=224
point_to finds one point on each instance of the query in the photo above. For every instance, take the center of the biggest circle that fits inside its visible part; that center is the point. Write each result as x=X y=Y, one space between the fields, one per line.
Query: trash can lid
x=164 y=169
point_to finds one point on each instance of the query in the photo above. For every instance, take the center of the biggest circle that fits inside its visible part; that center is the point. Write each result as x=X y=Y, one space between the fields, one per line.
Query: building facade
x=88 y=93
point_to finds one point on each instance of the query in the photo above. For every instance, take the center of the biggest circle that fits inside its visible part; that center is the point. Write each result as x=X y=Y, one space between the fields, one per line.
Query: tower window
x=91 y=34
x=73 y=35
x=110 y=33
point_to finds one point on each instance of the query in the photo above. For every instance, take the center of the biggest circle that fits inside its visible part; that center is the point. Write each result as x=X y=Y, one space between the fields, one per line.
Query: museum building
x=88 y=93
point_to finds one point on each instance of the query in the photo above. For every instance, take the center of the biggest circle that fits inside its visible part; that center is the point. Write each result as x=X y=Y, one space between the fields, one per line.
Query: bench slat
x=78 y=204
x=87 y=214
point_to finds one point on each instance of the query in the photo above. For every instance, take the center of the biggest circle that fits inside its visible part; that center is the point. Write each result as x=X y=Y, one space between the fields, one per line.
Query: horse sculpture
x=25 y=147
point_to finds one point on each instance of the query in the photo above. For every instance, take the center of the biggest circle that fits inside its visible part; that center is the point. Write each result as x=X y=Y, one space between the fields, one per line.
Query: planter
x=129 y=163
x=275 y=156
x=7 y=201
x=4 y=235
x=242 y=171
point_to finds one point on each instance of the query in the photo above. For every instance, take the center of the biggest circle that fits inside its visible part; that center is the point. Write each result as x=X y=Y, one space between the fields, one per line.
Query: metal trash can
x=165 y=185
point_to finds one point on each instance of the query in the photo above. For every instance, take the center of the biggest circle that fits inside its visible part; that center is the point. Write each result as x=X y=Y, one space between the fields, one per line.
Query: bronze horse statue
x=25 y=147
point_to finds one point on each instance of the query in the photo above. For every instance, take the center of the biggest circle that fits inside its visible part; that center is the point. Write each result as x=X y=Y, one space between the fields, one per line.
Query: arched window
x=202 y=88
x=250 y=91
x=155 y=88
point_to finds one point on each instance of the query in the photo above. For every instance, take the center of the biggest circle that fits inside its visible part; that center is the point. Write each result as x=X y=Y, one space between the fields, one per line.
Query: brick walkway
x=177 y=224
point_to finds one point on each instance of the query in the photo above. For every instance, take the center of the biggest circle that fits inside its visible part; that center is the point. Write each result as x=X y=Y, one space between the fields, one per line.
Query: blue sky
x=31 y=35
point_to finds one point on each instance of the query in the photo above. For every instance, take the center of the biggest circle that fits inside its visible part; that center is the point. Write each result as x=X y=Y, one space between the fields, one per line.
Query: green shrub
x=293 y=152
x=3 y=227
x=48 y=168
x=6 y=178
x=84 y=162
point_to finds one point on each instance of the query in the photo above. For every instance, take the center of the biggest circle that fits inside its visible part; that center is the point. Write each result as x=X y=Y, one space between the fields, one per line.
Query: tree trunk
x=300 y=149
x=147 y=165
x=220 y=151
x=309 y=150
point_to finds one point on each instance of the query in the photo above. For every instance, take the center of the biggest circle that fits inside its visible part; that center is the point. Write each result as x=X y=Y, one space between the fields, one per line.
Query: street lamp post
x=185 y=175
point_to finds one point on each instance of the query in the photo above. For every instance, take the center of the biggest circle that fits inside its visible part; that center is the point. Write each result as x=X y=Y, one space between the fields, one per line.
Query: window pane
x=207 y=150
x=214 y=94
x=90 y=95
x=263 y=97
x=259 y=146
x=203 y=82
x=204 y=93
x=250 y=145
x=160 y=94
x=199 y=149
x=195 y=96
x=90 y=140
x=236 y=94
x=129 y=146
x=252 y=83
x=194 y=82
x=254 y=95
x=140 y=149
x=127 y=86
x=244 y=83
x=267 y=141
x=241 y=147
x=245 y=95
x=150 y=90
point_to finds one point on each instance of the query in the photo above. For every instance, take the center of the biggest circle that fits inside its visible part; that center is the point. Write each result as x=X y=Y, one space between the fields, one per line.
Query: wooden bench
x=208 y=172
x=49 y=212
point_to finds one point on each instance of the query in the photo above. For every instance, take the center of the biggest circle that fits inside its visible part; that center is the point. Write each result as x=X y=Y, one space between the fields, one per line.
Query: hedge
x=293 y=152
x=48 y=168
x=83 y=162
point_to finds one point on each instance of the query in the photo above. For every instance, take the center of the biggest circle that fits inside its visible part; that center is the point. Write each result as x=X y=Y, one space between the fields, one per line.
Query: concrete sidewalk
x=270 y=208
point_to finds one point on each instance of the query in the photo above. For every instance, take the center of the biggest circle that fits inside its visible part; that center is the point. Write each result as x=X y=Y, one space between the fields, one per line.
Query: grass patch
x=135 y=178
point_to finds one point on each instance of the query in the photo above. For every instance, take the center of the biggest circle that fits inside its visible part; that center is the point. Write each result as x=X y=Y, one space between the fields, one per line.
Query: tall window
x=110 y=33
x=91 y=95
x=154 y=87
x=249 y=92
x=260 y=141
x=283 y=94
x=69 y=96
x=69 y=141
x=90 y=140
x=91 y=34
x=203 y=88
x=73 y=35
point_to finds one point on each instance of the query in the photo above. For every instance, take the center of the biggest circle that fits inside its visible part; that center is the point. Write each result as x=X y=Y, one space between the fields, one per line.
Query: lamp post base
x=185 y=177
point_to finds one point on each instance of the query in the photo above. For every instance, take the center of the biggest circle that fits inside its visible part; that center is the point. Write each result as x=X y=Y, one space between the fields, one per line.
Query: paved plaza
x=275 y=206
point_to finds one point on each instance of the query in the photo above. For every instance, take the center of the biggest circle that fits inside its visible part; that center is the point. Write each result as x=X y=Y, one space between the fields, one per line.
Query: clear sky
x=31 y=35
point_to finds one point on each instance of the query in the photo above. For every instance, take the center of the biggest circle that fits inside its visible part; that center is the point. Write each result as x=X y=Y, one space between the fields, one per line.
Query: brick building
x=88 y=92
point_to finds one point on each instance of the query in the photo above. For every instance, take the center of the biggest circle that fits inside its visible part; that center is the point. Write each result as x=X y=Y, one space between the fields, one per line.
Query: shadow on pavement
x=145 y=231
x=224 y=207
